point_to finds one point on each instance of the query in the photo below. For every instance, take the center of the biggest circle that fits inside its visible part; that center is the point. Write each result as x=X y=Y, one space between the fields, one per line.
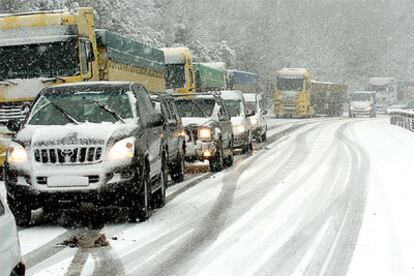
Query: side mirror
x=13 y=125
x=264 y=112
x=156 y=120
x=224 y=117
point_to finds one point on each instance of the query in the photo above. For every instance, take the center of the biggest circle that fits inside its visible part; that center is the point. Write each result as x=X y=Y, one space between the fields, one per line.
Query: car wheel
x=22 y=213
x=177 y=169
x=141 y=210
x=217 y=162
x=160 y=198
x=229 y=161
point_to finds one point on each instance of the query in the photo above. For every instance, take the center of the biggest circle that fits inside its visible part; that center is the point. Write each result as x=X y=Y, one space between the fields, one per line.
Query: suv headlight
x=205 y=133
x=16 y=153
x=122 y=150
x=239 y=129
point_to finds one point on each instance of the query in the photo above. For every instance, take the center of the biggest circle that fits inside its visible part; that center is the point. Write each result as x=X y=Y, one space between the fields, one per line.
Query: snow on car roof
x=92 y=83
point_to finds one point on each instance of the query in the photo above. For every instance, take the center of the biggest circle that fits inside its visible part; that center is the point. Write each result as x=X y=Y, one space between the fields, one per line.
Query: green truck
x=209 y=78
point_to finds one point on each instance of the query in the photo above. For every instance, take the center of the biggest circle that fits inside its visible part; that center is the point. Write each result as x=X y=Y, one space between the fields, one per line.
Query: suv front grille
x=80 y=155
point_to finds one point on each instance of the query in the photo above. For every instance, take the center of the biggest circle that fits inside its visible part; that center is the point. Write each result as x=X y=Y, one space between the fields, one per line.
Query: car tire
x=141 y=208
x=159 y=199
x=229 y=161
x=217 y=162
x=177 y=169
x=22 y=213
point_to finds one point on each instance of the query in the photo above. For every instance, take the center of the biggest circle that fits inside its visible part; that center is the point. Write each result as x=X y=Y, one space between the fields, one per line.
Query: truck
x=46 y=48
x=243 y=81
x=387 y=92
x=292 y=96
x=328 y=98
x=180 y=71
x=209 y=78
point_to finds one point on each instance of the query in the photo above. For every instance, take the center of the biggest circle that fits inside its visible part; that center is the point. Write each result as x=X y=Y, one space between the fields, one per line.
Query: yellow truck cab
x=180 y=75
x=293 y=93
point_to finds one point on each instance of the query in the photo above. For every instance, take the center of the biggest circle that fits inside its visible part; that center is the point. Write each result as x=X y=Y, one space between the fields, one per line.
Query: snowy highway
x=321 y=197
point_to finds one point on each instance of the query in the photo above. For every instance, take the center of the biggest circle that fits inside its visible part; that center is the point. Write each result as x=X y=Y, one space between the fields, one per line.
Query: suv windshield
x=198 y=108
x=233 y=107
x=93 y=107
x=39 y=60
x=361 y=97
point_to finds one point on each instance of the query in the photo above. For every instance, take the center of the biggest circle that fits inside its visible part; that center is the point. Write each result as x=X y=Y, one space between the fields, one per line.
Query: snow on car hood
x=360 y=105
x=195 y=121
x=84 y=134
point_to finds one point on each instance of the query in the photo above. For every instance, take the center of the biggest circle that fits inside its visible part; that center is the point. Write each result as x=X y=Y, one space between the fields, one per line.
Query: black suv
x=208 y=129
x=173 y=134
x=88 y=144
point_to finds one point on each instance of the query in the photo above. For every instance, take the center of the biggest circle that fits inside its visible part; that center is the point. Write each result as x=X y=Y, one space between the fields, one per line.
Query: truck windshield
x=361 y=97
x=82 y=107
x=195 y=108
x=39 y=60
x=290 y=84
x=175 y=76
x=233 y=107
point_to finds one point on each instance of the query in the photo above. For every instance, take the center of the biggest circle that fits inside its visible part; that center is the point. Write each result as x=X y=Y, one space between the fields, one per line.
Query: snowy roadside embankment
x=386 y=241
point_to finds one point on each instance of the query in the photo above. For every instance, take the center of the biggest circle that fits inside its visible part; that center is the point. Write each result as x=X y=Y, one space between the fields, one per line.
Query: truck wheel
x=177 y=169
x=141 y=209
x=160 y=198
x=22 y=213
x=217 y=162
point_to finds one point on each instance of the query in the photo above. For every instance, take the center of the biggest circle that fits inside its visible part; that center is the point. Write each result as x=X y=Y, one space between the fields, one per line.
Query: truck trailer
x=328 y=99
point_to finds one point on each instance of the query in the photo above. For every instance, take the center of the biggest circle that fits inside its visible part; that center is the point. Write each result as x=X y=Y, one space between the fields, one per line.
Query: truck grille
x=80 y=155
x=11 y=111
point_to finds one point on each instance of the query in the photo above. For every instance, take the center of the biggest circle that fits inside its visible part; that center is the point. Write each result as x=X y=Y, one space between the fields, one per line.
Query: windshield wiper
x=110 y=111
x=70 y=118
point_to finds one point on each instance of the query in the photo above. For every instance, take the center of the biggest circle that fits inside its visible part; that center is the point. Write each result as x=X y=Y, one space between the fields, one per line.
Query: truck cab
x=180 y=73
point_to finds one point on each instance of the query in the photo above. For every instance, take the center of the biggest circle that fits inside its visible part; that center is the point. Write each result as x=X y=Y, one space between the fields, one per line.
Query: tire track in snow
x=287 y=168
x=334 y=253
x=286 y=259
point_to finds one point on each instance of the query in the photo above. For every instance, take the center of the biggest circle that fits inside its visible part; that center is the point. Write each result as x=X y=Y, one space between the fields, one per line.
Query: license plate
x=67 y=181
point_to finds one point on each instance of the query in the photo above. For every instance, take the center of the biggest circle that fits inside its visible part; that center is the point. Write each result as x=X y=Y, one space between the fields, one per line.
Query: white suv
x=10 y=254
x=240 y=118
x=255 y=103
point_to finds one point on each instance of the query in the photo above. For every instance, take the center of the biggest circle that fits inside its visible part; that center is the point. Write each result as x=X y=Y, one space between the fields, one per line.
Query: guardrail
x=402 y=118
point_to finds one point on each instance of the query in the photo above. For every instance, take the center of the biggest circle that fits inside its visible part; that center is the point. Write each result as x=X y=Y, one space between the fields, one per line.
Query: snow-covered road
x=322 y=197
